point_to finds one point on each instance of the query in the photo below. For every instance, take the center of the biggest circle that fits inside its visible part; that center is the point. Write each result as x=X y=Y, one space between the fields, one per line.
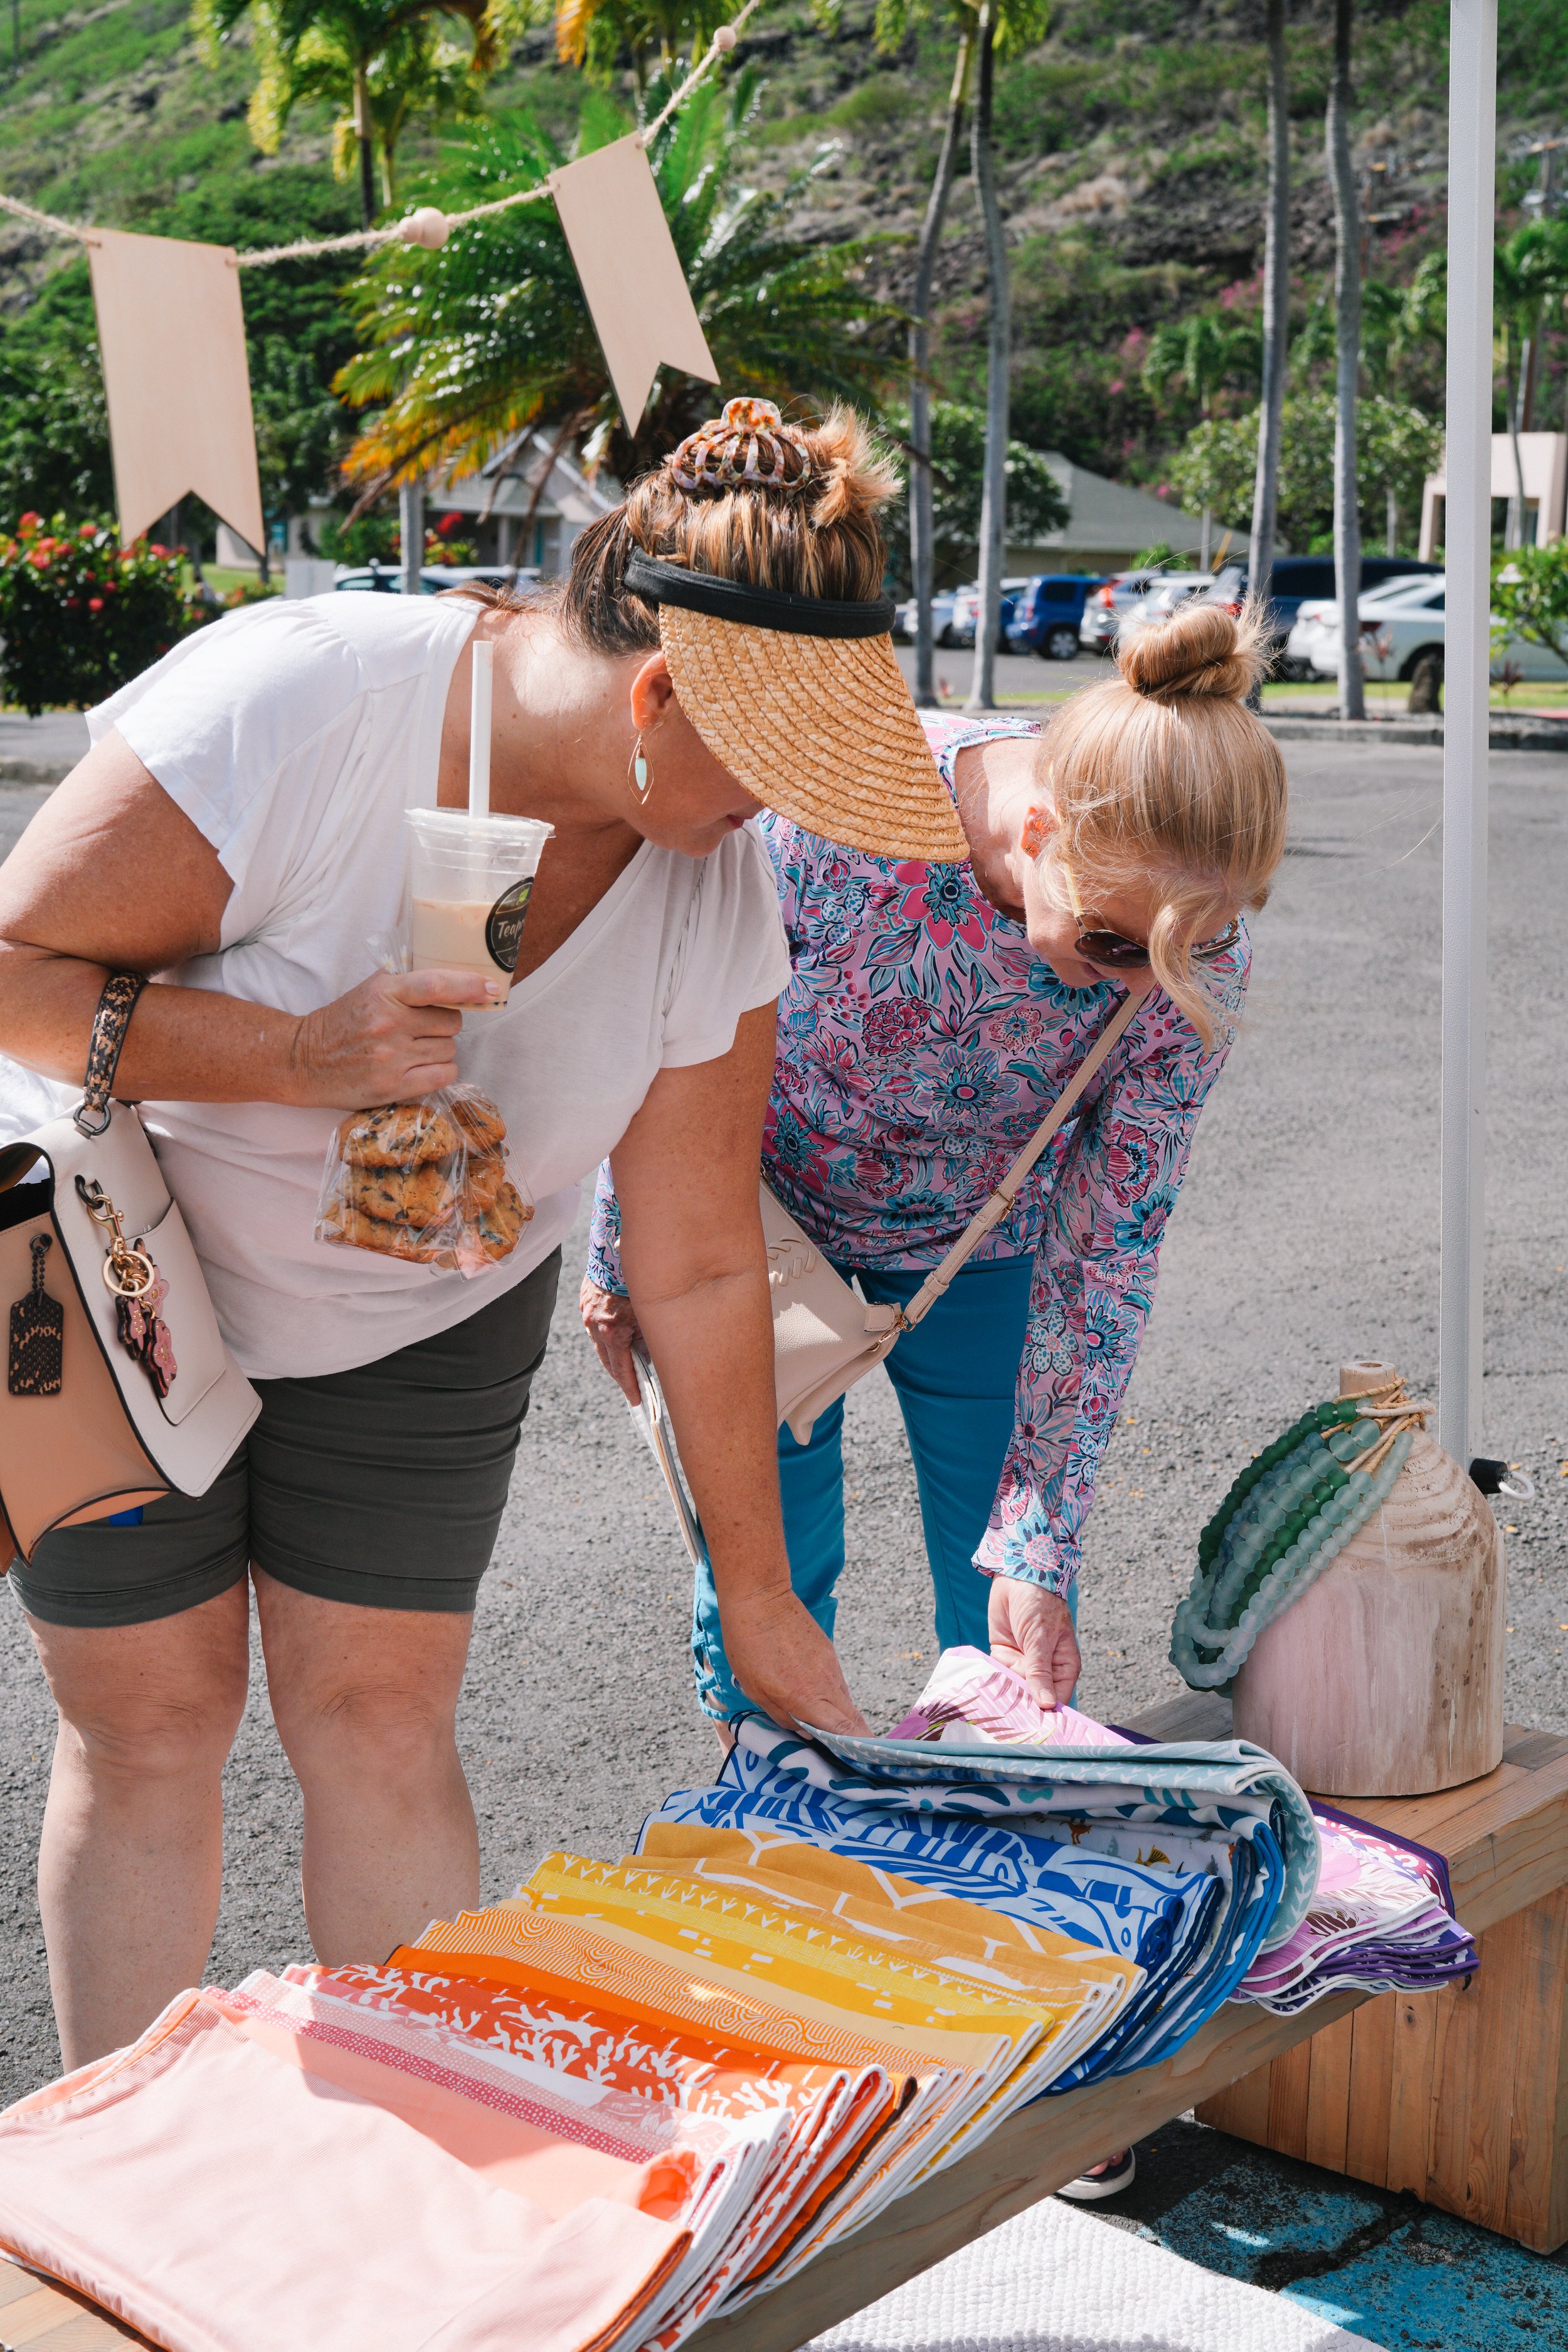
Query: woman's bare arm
x=686 y=1172
x=111 y=876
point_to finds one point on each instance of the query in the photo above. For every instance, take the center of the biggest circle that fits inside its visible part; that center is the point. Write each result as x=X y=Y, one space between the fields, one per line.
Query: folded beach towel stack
x=641 y=2094
x=1376 y=1916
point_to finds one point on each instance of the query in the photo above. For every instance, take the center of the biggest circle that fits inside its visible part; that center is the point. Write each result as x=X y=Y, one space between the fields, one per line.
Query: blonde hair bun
x=1202 y=652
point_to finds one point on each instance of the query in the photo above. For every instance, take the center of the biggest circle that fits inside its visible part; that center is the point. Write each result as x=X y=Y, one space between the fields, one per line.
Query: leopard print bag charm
x=36 y=1366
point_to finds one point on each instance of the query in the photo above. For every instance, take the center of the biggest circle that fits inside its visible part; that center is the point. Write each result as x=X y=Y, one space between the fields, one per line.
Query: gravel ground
x=1307 y=1234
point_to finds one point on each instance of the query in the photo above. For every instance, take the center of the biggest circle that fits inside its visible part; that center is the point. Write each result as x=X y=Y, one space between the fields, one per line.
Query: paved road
x=1307 y=1233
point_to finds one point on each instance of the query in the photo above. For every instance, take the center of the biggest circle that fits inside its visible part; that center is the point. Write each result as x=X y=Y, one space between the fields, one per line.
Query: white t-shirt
x=295 y=734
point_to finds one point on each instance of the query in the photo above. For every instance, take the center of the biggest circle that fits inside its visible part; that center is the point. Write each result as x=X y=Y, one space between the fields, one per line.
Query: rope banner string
x=426 y=226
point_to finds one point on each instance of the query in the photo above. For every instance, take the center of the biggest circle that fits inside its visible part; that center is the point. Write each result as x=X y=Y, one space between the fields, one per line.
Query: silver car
x=940 y=618
x=1115 y=601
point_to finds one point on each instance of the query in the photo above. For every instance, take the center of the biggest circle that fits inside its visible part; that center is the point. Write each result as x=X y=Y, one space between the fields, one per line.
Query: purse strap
x=109 y=1024
x=1002 y=1198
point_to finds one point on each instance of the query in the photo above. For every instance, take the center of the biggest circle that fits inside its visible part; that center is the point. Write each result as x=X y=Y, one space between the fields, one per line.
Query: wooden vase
x=1385 y=1678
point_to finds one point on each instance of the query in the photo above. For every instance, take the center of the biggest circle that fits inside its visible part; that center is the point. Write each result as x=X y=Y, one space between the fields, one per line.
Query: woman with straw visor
x=235 y=833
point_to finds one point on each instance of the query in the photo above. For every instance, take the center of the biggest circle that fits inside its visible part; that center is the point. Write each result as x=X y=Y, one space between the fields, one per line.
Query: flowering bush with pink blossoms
x=79 y=615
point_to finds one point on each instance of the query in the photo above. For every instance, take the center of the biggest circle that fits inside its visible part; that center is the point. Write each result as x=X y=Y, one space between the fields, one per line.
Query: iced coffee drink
x=470 y=879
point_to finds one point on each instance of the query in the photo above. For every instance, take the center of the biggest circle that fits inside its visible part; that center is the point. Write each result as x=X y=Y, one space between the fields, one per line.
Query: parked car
x=386 y=579
x=966 y=605
x=1299 y=579
x=1047 y=615
x=1127 y=596
x=1398 y=626
x=940 y=618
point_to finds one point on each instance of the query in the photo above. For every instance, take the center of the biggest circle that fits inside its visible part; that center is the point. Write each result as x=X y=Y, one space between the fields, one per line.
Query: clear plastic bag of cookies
x=427 y=1180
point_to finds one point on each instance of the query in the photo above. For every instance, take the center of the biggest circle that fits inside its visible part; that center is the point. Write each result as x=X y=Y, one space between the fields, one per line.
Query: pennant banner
x=631 y=274
x=172 y=333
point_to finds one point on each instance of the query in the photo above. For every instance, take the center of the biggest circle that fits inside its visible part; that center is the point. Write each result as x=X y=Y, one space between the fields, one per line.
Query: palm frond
x=464 y=348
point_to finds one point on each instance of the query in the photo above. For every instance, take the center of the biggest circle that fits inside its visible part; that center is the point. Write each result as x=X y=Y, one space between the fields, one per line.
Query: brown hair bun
x=1201 y=651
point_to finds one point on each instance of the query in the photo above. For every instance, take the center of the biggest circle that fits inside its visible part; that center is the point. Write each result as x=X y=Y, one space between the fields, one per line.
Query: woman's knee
x=366 y=1724
x=141 y=1704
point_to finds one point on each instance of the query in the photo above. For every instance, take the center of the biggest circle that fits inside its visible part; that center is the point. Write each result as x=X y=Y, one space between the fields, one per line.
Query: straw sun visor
x=804 y=701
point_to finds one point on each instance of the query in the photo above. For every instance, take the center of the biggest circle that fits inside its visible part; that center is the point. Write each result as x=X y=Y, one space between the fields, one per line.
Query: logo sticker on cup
x=503 y=926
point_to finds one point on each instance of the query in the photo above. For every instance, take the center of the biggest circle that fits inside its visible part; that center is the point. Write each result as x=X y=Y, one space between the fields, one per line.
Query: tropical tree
x=595 y=33
x=361 y=52
x=463 y=348
x=894 y=18
x=1005 y=25
x=1529 y=276
x=1397 y=446
x=419 y=75
x=1347 y=366
x=1529 y=599
x=1276 y=310
x=956 y=482
x=1204 y=353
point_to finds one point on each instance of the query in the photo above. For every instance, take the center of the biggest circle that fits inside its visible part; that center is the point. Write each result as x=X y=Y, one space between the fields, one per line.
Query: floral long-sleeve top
x=920 y=1044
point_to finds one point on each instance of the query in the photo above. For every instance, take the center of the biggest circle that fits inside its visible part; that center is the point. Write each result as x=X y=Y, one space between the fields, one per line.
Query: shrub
x=1530 y=598
x=79 y=616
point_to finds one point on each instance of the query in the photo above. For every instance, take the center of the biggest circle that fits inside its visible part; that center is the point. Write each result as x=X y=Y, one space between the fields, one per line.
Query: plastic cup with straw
x=472 y=872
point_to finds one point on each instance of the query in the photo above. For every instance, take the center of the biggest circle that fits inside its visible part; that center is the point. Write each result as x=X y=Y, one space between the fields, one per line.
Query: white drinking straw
x=479 y=732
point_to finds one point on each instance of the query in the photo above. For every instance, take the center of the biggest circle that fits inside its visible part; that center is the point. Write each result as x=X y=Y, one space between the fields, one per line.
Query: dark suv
x=1047 y=615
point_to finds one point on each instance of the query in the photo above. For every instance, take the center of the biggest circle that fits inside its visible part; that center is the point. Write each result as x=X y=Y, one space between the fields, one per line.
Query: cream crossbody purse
x=824 y=1336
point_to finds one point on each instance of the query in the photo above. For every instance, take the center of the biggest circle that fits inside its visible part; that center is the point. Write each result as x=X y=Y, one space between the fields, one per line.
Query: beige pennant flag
x=171 y=330
x=636 y=291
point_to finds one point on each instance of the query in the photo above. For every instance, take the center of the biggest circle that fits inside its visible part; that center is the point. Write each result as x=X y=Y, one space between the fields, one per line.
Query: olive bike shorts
x=383 y=1485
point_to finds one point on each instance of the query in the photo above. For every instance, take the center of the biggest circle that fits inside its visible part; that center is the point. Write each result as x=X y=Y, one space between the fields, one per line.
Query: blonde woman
x=933 y=1013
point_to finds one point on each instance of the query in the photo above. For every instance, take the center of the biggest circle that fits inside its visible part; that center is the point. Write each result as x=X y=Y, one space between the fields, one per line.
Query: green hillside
x=1130 y=145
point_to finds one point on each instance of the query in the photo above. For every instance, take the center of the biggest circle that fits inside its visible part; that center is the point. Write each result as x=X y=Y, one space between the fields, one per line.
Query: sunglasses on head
x=1113 y=953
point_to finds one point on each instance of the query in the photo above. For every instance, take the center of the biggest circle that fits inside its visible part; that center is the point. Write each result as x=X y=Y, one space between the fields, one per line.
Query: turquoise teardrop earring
x=641 y=782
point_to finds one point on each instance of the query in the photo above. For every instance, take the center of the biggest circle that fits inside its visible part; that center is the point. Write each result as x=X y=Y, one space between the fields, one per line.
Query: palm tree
x=894 y=18
x=1004 y=24
x=1202 y=354
x=1530 y=274
x=1347 y=368
x=1276 y=311
x=594 y=33
x=418 y=74
x=465 y=348
x=314 y=47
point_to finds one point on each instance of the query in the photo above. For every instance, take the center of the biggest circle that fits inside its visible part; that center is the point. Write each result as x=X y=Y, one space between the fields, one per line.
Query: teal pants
x=955 y=1376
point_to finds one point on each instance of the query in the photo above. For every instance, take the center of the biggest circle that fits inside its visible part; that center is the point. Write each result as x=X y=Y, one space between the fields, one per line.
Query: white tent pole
x=1472 y=149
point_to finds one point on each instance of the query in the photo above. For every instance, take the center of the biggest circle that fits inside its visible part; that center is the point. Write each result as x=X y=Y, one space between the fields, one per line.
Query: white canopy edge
x=1472 y=159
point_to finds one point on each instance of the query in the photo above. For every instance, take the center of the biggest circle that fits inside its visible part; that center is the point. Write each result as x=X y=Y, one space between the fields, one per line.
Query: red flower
x=39 y=558
x=88 y=530
x=29 y=522
x=95 y=604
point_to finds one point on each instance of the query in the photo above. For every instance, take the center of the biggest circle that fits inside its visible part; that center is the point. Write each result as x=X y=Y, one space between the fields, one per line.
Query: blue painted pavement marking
x=1380 y=2266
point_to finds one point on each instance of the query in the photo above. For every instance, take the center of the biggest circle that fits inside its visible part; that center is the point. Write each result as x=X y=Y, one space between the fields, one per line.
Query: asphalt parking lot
x=1307 y=1234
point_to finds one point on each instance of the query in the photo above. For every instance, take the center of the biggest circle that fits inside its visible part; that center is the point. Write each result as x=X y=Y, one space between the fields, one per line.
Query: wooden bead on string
x=724 y=39
x=427 y=227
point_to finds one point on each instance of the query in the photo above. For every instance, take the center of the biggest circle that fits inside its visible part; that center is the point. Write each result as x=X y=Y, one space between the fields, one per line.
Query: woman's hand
x=391 y=1039
x=1032 y=1631
x=612 y=1324
x=784 y=1662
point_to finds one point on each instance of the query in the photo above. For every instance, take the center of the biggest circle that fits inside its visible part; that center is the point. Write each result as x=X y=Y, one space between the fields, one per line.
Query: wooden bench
x=1457 y=2096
